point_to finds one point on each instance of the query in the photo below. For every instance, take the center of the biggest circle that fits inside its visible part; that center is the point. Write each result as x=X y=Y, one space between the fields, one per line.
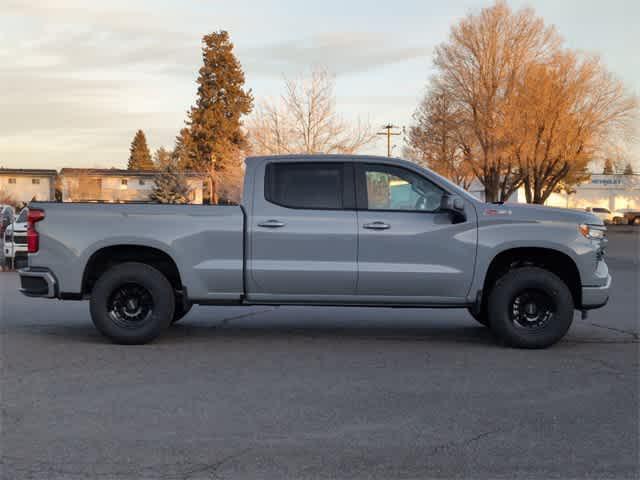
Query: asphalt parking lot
x=321 y=393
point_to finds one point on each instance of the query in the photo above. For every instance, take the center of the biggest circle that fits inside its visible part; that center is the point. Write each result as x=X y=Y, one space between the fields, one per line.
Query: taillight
x=33 y=242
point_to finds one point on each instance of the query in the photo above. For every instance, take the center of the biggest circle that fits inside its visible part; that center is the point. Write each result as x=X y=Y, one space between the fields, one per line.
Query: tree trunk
x=213 y=197
x=527 y=190
x=492 y=186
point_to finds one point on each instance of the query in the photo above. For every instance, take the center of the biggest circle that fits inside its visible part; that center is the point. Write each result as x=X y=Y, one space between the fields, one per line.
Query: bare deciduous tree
x=305 y=121
x=523 y=110
x=438 y=139
x=270 y=132
x=479 y=67
x=561 y=116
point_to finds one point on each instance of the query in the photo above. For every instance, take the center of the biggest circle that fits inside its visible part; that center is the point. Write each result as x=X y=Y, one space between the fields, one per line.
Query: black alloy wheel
x=130 y=305
x=532 y=309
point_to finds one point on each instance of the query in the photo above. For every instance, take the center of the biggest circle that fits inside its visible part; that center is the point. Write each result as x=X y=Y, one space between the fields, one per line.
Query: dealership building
x=615 y=192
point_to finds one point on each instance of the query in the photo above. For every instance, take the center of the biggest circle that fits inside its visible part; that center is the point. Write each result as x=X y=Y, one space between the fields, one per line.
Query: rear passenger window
x=305 y=185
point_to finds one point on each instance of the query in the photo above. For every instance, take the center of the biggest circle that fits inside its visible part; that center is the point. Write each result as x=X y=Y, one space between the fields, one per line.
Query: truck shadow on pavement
x=343 y=333
x=324 y=328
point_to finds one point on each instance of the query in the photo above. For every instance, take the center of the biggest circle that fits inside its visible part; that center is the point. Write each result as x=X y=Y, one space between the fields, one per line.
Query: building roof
x=33 y=172
x=117 y=172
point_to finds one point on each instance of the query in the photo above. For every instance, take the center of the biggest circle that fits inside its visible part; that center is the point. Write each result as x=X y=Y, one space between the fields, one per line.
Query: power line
x=389 y=132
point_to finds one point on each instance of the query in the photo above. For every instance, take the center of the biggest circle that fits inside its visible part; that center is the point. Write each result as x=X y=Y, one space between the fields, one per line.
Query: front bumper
x=37 y=283
x=596 y=297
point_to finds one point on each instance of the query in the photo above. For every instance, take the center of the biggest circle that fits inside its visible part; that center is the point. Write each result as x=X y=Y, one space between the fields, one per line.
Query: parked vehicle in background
x=323 y=230
x=606 y=215
x=631 y=217
x=618 y=218
x=15 y=241
x=6 y=217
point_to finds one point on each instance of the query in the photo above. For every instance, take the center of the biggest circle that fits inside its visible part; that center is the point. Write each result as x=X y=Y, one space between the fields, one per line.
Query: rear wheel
x=132 y=303
x=530 y=307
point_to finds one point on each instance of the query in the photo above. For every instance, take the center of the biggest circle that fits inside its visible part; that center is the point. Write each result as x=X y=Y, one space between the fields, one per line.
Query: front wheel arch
x=554 y=261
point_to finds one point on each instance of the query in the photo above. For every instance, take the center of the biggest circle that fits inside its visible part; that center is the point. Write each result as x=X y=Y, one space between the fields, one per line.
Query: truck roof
x=327 y=157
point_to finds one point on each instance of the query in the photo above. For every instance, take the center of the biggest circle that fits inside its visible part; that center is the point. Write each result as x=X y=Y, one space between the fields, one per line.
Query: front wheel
x=132 y=303
x=530 y=307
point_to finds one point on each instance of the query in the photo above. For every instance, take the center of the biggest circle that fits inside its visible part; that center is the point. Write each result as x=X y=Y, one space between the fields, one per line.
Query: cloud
x=78 y=79
x=340 y=53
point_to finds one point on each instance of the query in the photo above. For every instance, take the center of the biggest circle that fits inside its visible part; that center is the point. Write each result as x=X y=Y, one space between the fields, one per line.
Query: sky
x=79 y=77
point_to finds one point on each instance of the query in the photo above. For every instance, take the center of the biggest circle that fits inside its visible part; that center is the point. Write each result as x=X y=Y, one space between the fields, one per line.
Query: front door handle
x=272 y=224
x=377 y=226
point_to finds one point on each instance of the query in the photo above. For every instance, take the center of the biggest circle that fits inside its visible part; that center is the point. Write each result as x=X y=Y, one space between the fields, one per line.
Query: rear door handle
x=272 y=224
x=377 y=226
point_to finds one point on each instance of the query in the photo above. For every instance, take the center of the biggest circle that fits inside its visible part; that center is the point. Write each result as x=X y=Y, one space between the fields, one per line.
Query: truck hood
x=529 y=212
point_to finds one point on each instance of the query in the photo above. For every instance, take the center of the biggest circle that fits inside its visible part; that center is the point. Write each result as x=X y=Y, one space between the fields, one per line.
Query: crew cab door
x=409 y=250
x=302 y=232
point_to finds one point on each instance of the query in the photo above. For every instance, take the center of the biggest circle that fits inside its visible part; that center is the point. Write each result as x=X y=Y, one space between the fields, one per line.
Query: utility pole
x=389 y=132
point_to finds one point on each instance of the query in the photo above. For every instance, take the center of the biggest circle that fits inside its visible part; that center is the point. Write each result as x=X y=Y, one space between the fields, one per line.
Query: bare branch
x=305 y=121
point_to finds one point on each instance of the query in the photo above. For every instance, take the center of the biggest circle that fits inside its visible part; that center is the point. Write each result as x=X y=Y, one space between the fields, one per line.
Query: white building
x=24 y=185
x=615 y=192
x=115 y=185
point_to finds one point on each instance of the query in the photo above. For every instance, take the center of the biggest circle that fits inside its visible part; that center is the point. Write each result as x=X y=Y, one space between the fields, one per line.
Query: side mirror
x=452 y=203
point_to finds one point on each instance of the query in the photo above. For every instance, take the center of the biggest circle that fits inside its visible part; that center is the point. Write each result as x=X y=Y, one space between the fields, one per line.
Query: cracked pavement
x=296 y=392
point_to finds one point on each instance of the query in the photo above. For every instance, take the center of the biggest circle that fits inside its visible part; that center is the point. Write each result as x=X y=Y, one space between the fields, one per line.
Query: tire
x=132 y=303
x=530 y=307
x=635 y=221
x=180 y=311
x=482 y=317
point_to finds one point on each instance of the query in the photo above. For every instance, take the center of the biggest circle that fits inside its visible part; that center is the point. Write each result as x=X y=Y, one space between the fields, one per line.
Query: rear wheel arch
x=107 y=257
x=549 y=259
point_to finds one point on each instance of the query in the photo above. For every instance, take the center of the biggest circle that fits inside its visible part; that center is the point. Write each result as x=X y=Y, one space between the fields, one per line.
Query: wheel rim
x=532 y=309
x=130 y=305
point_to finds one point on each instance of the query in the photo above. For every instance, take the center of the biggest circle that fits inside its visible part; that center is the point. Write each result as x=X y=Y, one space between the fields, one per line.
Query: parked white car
x=606 y=215
x=15 y=241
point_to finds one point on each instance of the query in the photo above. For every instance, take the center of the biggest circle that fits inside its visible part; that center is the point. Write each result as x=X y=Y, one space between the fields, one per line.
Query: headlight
x=592 y=232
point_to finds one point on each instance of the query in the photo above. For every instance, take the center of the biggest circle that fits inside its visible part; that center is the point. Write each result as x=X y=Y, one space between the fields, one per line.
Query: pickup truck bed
x=207 y=242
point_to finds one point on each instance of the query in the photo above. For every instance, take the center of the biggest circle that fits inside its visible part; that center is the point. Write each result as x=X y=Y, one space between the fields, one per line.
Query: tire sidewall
x=149 y=278
x=509 y=287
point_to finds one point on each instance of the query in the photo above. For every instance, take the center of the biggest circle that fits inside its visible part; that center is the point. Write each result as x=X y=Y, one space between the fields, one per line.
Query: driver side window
x=396 y=189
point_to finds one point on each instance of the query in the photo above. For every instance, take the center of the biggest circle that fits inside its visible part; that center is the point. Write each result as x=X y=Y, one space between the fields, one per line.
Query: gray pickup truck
x=323 y=230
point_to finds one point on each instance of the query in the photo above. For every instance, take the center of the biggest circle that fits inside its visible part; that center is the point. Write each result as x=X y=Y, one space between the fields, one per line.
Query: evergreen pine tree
x=608 y=167
x=139 y=155
x=182 y=150
x=170 y=186
x=161 y=158
x=628 y=169
x=215 y=138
